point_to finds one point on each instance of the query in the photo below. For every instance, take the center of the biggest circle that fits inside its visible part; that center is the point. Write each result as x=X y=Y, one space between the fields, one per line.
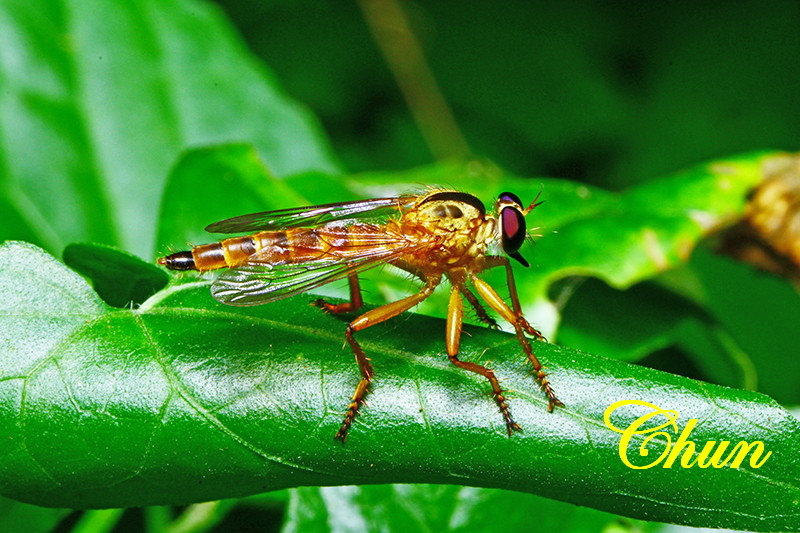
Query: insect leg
x=518 y=321
x=370 y=318
x=483 y=316
x=354 y=304
x=498 y=260
x=453 y=340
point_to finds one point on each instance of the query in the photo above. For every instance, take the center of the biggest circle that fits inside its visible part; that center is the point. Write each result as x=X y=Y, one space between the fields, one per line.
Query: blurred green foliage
x=613 y=94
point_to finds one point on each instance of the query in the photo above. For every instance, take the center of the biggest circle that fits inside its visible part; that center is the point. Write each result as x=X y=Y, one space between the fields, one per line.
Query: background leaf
x=241 y=184
x=18 y=516
x=111 y=96
x=445 y=508
x=120 y=279
x=606 y=94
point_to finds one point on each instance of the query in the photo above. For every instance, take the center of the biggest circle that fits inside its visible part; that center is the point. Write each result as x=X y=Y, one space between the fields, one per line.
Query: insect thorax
x=457 y=227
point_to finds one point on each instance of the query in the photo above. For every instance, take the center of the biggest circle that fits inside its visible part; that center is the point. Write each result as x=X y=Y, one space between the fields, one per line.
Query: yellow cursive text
x=653 y=427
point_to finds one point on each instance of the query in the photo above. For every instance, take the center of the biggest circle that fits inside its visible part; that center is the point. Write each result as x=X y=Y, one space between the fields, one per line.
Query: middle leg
x=453 y=341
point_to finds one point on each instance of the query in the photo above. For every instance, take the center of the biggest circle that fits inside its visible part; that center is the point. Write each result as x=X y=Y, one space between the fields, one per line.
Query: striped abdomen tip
x=178 y=261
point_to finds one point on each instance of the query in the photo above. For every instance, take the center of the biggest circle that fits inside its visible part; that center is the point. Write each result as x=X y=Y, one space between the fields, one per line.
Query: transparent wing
x=312 y=216
x=259 y=281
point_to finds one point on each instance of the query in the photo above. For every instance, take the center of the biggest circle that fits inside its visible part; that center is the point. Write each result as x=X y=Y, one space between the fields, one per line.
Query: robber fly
x=434 y=235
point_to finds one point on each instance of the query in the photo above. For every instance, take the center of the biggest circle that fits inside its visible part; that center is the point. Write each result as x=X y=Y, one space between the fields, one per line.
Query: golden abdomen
x=296 y=245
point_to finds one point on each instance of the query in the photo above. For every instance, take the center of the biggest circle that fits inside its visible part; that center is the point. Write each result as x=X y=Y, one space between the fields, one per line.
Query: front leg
x=515 y=318
x=498 y=260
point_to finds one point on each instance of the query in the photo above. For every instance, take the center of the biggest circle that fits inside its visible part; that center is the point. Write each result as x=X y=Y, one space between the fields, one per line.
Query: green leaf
x=658 y=314
x=435 y=508
x=17 y=516
x=102 y=99
x=120 y=279
x=185 y=400
x=215 y=183
x=761 y=314
x=593 y=317
x=620 y=238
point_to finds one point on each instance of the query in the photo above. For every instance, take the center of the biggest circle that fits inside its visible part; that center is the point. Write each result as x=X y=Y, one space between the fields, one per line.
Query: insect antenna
x=535 y=203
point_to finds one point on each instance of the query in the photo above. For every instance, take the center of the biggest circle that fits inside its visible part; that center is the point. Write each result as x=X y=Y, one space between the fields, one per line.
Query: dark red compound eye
x=512 y=227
